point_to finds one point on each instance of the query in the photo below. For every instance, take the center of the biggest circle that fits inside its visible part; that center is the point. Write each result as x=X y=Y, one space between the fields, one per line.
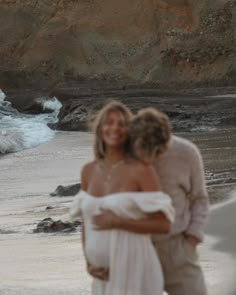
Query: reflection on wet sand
x=219 y=250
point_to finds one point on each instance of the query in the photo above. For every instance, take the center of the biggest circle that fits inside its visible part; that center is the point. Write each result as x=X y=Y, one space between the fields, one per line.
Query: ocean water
x=22 y=131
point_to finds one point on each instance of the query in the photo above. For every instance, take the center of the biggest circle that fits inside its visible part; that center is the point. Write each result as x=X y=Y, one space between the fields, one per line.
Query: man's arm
x=199 y=202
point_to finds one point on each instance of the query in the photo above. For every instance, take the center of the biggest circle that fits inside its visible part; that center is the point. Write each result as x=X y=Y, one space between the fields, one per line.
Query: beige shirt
x=181 y=174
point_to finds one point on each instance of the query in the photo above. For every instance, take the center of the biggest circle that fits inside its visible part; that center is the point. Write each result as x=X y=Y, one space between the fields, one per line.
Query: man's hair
x=150 y=131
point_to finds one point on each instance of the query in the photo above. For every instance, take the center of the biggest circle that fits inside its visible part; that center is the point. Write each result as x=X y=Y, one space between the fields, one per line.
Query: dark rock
x=186 y=116
x=63 y=191
x=53 y=126
x=35 y=108
x=5 y=232
x=73 y=116
x=48 y=225
x=29 y=101
x=49 y=207
x=230 y=120
x=172 y=114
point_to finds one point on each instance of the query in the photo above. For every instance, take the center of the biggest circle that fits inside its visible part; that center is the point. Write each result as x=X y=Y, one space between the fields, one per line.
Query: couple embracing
x=144 y=206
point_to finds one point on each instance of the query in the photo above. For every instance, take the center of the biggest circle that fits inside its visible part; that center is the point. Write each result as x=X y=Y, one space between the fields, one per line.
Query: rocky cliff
x=162 y=42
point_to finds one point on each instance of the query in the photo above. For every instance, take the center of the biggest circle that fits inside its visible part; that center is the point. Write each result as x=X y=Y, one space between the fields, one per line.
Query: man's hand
x=106 y=220
x=98 y=273
x=192 y=240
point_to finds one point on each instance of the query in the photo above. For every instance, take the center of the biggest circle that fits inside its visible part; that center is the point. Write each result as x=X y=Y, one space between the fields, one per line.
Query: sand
x=41 y=263
x=218 y=252
x=53 y=264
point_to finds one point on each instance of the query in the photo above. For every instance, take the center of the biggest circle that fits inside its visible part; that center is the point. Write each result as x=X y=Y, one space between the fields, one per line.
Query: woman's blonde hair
x=150 y=132
x=113 y=106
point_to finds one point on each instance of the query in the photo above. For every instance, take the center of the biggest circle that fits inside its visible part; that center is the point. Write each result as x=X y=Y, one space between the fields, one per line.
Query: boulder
x=64 y=191
x=48 y=225
x=35 y=108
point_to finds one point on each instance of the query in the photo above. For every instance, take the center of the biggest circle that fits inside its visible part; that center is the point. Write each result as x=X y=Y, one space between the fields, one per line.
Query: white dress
x=134 y=267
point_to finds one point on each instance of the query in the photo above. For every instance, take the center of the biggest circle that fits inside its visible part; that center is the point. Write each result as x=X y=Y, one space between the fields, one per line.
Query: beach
x=218 y=253
x=50 y=264
x=41 y=263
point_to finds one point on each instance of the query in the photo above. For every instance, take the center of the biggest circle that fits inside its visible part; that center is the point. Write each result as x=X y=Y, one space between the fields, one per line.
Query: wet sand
x=218 y=253
x=218 y=148
x=53 y=264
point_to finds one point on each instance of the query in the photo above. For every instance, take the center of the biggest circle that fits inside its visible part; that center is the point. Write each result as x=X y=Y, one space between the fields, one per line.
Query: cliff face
x=137 y=41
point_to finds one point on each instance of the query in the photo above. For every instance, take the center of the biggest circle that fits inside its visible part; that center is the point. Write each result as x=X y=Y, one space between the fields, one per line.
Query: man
x=181 y=174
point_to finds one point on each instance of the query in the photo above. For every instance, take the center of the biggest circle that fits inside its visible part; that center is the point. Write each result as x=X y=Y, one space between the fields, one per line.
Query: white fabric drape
x=134 y=268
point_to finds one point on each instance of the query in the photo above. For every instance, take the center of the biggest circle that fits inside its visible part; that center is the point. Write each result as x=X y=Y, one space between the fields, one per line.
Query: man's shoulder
x=183 y=145
x=181 y=142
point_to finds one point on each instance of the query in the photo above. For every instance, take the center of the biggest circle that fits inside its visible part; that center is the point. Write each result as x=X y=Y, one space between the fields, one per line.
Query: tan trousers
x=181 y=268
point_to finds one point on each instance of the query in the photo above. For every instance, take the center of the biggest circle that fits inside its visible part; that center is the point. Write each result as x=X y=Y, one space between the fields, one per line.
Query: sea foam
x=52 y=104
x=21 y=131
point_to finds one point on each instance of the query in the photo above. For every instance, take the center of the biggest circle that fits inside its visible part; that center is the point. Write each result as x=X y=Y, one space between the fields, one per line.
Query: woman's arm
x=147 y=180
x=156 y=223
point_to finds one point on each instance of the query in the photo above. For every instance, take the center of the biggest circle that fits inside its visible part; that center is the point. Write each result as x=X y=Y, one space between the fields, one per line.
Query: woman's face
x=114 y=130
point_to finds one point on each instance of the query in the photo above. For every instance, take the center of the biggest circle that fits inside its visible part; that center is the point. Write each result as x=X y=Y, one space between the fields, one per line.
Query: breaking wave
x=22 y=131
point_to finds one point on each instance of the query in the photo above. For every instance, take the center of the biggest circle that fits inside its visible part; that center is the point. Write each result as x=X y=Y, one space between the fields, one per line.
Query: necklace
x=110 y=169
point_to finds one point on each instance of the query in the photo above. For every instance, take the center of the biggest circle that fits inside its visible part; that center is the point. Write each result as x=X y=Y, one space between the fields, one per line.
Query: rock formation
x=44 y=44
x=48 y=225
x=64 y=191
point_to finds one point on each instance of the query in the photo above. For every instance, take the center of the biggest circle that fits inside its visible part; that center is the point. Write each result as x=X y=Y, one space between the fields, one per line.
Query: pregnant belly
x=97 y=247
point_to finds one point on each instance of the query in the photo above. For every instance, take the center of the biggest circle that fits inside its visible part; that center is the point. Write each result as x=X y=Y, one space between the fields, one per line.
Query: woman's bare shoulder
x=88 y=167
x=141 y=167
x=145 y=176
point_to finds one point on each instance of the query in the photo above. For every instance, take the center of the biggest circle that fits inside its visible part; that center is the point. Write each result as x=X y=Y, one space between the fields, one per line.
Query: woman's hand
x=106 y=220
x=98 y=273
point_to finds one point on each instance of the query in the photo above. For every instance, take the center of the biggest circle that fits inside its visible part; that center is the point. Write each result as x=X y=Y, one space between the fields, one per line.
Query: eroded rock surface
x=165 y=42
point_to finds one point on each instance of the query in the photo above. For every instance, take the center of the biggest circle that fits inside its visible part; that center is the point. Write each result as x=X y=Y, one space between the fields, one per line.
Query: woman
x=122 y=184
